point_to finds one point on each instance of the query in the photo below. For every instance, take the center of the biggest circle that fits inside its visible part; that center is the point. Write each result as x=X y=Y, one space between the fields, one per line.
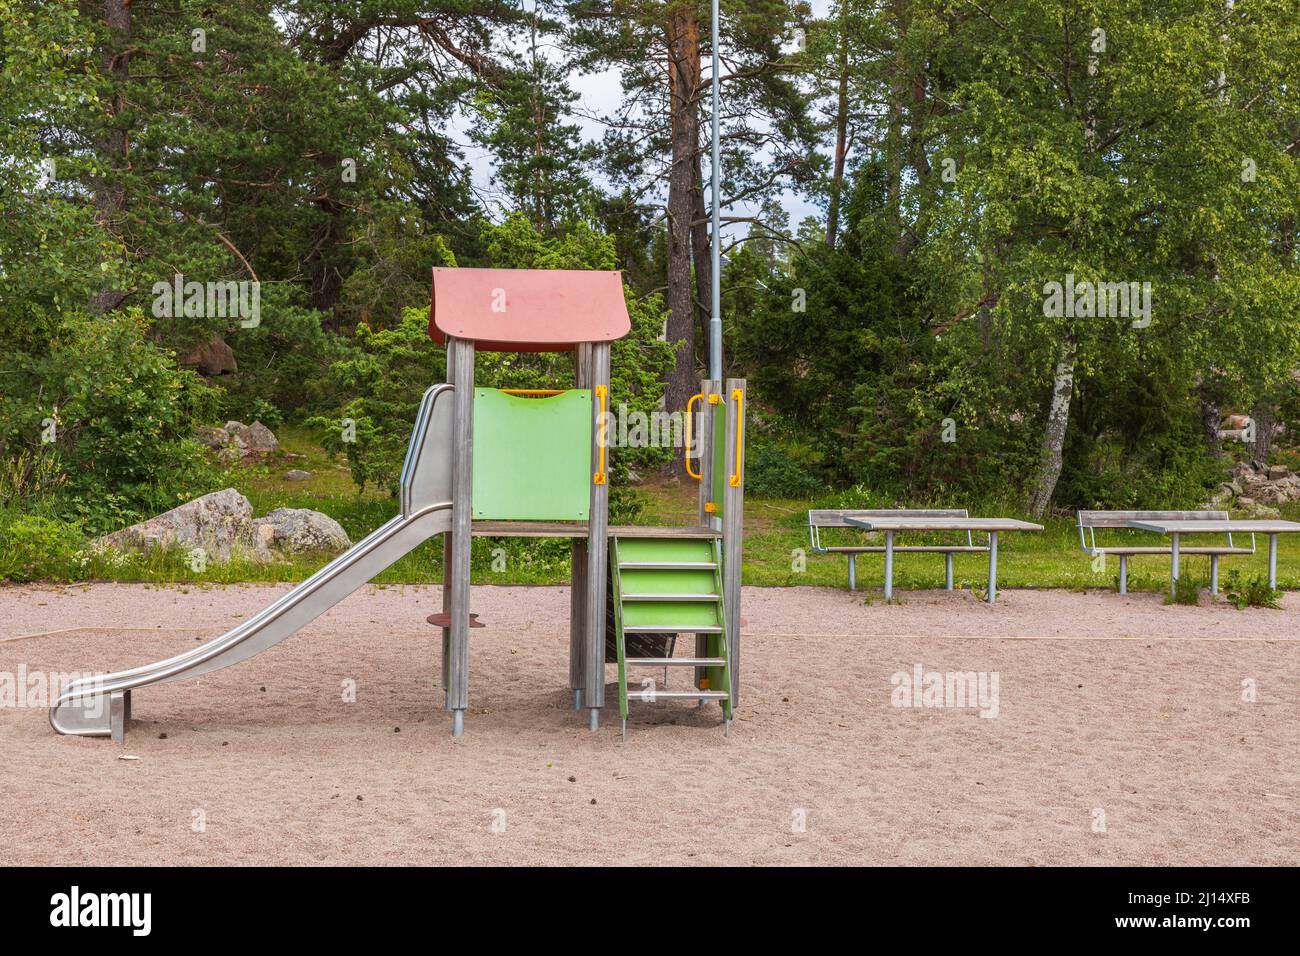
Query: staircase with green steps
x=671 y=585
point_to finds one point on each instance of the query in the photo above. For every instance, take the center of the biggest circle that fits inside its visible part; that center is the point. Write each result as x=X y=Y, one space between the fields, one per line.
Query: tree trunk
x=841 y=142
x=113 y=145
x=1211 y=417
x=683 y=86
x=1264 y=417
x=1058 y=419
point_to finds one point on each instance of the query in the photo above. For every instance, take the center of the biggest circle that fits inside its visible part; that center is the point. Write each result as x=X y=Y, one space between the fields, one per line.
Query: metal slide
x=99 y=706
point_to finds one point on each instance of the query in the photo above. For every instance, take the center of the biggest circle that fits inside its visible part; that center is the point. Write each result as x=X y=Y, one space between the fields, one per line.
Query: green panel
x=670 y=614
x=721 y=467
x=632 y=550
x=532 y=456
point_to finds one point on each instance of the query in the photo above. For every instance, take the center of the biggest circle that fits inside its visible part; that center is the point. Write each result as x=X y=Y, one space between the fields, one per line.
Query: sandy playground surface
x=1121 y=737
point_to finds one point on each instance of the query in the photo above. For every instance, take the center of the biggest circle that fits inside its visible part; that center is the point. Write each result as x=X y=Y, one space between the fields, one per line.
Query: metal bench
x=1090 y=521
x=834 y=518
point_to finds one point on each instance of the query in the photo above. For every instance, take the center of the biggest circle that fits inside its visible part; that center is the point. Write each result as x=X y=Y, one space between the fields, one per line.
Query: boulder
x=298 y=530
x=217 y=522
x=254 y=439
x=222 y=525
x=212 y=437
x=297 y=474
x=1278 y=472
x=214 y=357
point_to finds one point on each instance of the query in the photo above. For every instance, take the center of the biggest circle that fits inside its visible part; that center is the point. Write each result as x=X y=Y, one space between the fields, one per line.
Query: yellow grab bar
x=689 y=402
x=739 y=398
x=601 y=437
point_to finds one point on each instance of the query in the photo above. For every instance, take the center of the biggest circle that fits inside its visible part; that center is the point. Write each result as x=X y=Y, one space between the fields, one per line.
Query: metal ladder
x=667 y=585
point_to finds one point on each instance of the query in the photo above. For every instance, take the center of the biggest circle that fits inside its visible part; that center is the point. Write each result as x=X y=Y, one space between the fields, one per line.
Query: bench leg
x=948 y=562
x=993 y=566
x=1173 y=565
x=853 y=575
x=1214 y=574
x=1123 y=574
x=1272 y=562
x=889 y=565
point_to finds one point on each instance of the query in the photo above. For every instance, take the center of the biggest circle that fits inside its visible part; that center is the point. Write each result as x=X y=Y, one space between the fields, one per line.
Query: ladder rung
x=649 y=697
x=671 y=629
x=676 y=662
x=670 y=597
x=668 y=566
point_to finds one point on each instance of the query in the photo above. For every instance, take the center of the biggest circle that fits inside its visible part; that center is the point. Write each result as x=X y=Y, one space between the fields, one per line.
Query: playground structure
x=527 y=463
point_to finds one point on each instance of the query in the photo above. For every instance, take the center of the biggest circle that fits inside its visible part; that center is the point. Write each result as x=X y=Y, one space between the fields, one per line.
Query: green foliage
x=1250 y=592
x=118 y=410
x=771 y=472
x=1186 y=590
x=37 y=548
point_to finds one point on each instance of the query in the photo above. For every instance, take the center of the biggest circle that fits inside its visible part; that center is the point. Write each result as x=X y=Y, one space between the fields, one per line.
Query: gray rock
x=260 y=439
x=297 y=474
x=212 y=437
x=1278 y=472
x=217 y=523
x=297 y=530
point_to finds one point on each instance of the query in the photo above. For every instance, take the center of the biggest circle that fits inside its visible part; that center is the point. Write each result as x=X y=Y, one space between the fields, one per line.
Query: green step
x=671 y=585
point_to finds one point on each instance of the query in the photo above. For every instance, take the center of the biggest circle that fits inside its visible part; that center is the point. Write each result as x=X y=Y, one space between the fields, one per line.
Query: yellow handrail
x=689 y=402
x=739 y=397
x=601 y=437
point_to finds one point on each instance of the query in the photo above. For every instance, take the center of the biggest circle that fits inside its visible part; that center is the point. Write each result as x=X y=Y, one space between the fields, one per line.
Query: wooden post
x=578 y=572
x=597 y=529
x=456 y=574
x=733 y=502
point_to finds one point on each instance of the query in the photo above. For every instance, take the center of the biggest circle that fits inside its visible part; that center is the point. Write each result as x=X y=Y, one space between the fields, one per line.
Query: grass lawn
x=777 y=549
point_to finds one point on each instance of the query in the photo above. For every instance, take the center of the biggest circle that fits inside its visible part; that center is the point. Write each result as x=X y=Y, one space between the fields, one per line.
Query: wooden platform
x=568 y=529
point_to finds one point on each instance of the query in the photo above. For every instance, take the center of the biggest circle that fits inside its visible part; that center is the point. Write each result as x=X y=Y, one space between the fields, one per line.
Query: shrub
x=770 y=472
x=1253 y=592
x=119 y=411
x=37 y=548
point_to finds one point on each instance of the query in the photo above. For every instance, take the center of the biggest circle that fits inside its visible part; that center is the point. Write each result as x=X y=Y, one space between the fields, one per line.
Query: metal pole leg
x=889 y=565
x=577 y=698
x=948 y=563
x=1214 y=574
x=1123 y=574
x=853 y=577
x=1272 y=562
x=1173 y=566
x=992 y=566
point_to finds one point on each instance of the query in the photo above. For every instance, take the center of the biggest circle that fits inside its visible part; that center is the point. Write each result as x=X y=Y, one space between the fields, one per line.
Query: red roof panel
x=527 y=310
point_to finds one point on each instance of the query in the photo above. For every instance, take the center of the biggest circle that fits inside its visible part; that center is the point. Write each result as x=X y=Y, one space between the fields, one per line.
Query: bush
x=771 y=472
x=1253 y=592
x=36 y=548
x=117 y=414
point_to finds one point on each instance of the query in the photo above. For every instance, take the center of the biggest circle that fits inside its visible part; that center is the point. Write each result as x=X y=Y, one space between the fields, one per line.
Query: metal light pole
x=715 y=247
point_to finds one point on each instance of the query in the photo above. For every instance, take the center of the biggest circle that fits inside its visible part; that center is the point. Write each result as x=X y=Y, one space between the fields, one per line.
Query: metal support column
x=597 y=533
x=733 y=518
x=456 y=573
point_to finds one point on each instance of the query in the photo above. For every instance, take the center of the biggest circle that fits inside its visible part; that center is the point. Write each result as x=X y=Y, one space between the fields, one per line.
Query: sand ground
x=1121 y=737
